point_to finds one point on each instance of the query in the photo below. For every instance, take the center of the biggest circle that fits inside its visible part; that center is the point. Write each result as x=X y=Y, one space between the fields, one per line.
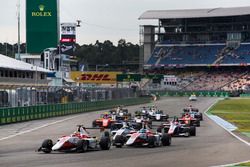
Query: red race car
x=189 y=120
x=106 y=120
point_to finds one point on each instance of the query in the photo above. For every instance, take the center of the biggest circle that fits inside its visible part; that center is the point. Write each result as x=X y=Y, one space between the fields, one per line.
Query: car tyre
x=192 y=131
x=81 y=146
x=47 y=146
x=166 y=139
x=119 y=141
x=105 y=143
x=151 y=141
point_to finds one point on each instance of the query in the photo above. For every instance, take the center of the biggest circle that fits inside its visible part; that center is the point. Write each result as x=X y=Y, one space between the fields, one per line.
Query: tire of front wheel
x=47 y=145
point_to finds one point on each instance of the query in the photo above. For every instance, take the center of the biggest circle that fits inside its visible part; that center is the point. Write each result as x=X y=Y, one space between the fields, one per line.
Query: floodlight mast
x=18 y=25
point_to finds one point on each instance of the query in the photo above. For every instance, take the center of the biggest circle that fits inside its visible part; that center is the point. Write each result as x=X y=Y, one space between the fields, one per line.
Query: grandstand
x=212 y=43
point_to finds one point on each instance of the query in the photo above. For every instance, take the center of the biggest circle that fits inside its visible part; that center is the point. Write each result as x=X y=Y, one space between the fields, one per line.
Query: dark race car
x=120 y=113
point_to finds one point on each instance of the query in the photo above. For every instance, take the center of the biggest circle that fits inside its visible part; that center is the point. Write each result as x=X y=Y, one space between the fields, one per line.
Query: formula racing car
x=194 y=112
x=105 y=120
x=145 y=137
x=176 y=128
x=79 y=141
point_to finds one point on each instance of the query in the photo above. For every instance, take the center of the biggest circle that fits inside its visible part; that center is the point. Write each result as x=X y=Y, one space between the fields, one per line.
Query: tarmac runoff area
x=212 y=146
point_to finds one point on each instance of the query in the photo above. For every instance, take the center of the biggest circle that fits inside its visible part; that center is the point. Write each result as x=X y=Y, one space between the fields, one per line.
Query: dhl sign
x=94 y=77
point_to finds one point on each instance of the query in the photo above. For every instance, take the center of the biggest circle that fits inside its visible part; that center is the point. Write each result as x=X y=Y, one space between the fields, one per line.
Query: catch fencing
x=32 y=96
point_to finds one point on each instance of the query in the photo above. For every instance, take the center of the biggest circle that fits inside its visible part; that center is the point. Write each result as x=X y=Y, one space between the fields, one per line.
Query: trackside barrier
x=189 y=93
x=245 y=95
x=20 y=114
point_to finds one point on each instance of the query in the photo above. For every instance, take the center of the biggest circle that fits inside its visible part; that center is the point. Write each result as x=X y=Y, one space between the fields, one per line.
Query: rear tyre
x=105 y=143
x=47 y=146
x=151 y=141
x=192 y=131
x=166 y=139
x=201 y=116
x=198 y=124
x=119 y=141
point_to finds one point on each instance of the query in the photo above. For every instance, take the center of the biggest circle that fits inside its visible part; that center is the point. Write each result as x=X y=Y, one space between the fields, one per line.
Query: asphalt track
x=211 y=147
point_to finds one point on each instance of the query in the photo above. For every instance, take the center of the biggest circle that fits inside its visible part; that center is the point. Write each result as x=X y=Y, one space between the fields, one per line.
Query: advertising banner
x=96 y=77
x=68 y=38
x=41 y=25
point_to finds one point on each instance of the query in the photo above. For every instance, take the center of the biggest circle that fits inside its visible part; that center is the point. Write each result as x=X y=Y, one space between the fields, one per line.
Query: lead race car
x=79 y=141
x=193 y=97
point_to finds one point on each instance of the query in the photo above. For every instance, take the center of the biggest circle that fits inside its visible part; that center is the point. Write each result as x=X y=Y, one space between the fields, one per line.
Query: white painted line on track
x=239 y=138
x=223 y=123
x=34 y=129
x=233 y=164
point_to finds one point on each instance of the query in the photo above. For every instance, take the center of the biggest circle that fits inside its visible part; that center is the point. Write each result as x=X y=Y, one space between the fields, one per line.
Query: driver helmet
x=105 y=116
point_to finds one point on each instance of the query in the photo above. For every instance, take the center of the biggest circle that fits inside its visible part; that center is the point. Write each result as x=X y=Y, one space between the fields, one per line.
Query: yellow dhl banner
x=94 y=77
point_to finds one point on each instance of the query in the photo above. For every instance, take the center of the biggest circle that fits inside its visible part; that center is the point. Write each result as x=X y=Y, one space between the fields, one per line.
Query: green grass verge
x=244 y=164
x=236 y=111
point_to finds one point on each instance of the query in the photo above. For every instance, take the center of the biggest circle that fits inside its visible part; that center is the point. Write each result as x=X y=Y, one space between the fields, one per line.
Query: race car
x=143 y=112
x=157 y=115
x=120 y=113
x=145 y=137
x=105 y=120
x=193 y=97
x=121 y=135
x=79 y=141
x=189 y=120
x=176 y=128
x=194 y=112
x=138 y=121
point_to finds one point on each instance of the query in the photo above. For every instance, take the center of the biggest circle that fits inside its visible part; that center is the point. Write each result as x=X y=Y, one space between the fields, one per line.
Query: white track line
x=242 y=140
x=233 y=164
x=30 y=130
x=239 y=138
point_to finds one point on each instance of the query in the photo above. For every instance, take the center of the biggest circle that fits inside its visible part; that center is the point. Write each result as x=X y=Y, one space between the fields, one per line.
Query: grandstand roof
x=10 y=63
x=195 y=13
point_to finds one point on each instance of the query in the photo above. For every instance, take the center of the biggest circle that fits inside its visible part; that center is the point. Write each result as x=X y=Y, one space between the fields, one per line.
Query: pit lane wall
x=27 y=113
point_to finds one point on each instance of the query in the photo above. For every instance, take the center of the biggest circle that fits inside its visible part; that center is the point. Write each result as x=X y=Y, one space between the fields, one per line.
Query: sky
x=103 y=19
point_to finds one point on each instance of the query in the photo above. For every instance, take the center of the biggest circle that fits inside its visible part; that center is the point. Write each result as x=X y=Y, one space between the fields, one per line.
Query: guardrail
x=27 y=113
x=188 y=93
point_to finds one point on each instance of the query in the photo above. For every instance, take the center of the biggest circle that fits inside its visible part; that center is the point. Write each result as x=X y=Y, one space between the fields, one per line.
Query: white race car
x=79 y=141
x=193 y=98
